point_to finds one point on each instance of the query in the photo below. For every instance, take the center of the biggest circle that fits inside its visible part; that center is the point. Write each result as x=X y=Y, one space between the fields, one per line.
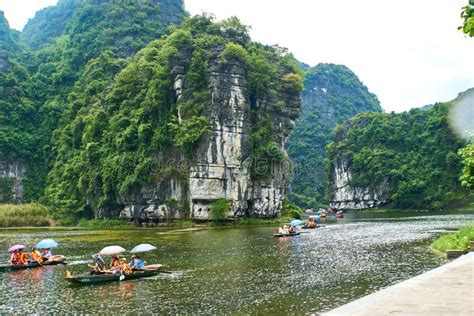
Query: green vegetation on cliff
x=69 y=43
x=19 y=115
x=415 y=152
x=332 y=94
x=50 y=23
x=116 y=133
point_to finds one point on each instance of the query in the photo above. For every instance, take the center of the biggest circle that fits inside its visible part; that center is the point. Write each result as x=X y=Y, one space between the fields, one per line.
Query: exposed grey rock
x=4 y=64
x=221 y=165
x=346 y=196
x=11 y=181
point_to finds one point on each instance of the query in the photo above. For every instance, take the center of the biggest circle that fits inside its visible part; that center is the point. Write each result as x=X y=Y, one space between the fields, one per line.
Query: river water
x=234 y=270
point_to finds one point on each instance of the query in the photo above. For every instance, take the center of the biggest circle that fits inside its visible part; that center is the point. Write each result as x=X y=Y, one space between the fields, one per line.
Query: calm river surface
x=234 y=270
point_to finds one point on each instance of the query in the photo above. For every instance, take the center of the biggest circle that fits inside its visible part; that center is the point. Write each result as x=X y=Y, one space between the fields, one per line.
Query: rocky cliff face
x=11 y=182
x=343 y=193
x=222 y=165
x=345 y=196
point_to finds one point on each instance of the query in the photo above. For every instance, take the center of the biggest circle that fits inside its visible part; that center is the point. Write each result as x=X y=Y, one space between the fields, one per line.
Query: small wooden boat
x=286 y=235
x=55 y=260
x=88 y=279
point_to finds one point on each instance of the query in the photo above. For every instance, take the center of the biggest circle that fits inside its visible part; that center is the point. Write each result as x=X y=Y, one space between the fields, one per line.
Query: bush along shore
x=455 y=241
x=24 y=215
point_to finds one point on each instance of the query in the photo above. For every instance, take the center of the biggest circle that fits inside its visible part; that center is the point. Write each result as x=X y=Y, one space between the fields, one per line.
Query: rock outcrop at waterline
x=11 y=182
x=405 y=160
x=343 y=193
x=221 y=168
x=344 y=196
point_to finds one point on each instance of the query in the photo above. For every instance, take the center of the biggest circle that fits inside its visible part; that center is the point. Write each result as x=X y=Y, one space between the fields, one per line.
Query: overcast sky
x=408 y=52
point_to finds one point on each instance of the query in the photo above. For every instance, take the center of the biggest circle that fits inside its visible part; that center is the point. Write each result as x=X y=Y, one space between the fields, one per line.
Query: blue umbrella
x=47 y=243
x=296 y=222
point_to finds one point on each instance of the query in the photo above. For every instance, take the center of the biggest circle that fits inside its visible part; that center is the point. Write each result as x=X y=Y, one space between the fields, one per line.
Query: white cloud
x=408 y=52
x=18 y=12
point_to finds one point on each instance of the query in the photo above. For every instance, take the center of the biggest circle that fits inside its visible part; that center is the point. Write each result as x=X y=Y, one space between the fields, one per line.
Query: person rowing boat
x=136 y=263
x=36 y=256
x=99 y=267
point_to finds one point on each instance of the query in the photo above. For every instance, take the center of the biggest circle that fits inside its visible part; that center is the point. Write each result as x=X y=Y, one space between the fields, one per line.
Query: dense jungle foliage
x=332 y=94
x=415 y=151
x=40 y=67
x=467 y=176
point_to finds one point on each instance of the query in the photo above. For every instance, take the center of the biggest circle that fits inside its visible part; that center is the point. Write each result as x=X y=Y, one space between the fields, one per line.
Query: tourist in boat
x=47 y=254
x=22 y=258
x=14 y=258
x=115 y=263
x=125 y=267
x=136 y=263
x=99 y=267
x=283 y=230
x=36 y=256
x=311 y=223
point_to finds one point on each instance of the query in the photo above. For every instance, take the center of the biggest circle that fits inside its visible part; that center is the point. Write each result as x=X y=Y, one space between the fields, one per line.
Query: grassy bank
x=24 y=215
x=455 y=241
x=259 y=221
x=36 y=215
x=103 y=224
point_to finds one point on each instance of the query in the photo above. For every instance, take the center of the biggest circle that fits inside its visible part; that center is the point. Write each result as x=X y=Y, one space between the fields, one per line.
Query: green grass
x=103 y=224
x=178 y=223
x=24 y=215
x=455 y=241
x=259 y=221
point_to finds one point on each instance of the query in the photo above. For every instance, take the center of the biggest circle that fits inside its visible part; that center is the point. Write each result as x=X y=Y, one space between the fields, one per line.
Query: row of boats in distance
x=119 y=269
x=314 y=221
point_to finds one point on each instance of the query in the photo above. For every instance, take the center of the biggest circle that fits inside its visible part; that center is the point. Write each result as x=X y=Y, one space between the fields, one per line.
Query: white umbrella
x=111 y=250
x=143 y=248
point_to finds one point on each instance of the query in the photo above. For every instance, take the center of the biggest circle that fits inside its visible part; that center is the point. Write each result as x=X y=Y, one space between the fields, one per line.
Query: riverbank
x=448 y=289
x=37 y=215
x=455 y=241
x=24 y=215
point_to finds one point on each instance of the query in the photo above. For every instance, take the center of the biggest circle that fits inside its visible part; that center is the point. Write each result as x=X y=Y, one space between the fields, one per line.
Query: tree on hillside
x=467 y=177
x=468 y=16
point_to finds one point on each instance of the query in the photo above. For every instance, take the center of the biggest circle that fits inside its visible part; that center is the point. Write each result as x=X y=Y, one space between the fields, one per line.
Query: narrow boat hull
x=286 y=235
x=86 y=279
x=57 y=260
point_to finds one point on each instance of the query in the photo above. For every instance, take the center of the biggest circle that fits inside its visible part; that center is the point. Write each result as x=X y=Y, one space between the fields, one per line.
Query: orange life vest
x=23 y=259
